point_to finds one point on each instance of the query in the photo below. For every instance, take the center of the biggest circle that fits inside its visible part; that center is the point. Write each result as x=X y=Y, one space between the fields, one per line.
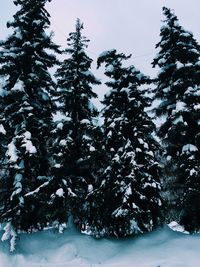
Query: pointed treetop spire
x=169 y=14
x=79 y=25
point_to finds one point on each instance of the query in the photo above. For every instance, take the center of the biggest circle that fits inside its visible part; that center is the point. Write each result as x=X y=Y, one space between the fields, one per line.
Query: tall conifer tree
x=76 y=132
x=178 y=90
x=129 y=195
x=26 y=110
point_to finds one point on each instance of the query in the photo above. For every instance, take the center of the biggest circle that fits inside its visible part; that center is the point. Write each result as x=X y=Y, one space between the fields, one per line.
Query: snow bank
x=2 y=129
x=177 y=227
x=164 y=248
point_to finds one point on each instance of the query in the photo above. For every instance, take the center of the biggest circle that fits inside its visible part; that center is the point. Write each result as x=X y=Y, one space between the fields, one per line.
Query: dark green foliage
x=26 y=112
x=76 y=134
x=128 y=199
x=178 y=85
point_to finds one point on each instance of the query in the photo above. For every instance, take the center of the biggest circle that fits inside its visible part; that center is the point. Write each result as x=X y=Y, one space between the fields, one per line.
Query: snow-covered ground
x=162 y=248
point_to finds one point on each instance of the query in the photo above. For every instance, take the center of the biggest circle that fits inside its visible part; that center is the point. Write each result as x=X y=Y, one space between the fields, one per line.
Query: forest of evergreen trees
x=124 y=177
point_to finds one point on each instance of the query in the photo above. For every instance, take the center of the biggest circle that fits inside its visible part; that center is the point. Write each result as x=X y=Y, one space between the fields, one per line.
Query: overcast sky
x=130 y=26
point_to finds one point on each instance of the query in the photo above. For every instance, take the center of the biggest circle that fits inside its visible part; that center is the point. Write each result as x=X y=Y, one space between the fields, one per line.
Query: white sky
x=130 y=26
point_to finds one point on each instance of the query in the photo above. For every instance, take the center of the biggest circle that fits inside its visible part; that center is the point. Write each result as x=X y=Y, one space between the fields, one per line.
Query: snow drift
x=162 y=248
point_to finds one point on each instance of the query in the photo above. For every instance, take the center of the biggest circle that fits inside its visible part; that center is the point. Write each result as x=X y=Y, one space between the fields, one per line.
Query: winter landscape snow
x=82 y=185
x=162 y=248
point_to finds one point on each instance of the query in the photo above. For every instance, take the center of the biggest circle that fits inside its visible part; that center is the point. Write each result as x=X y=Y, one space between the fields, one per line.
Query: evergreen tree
x=2 y=130
x=129 y=195
x=2 y=144
x=26 y=110
x=75 y=148
x=178 y=85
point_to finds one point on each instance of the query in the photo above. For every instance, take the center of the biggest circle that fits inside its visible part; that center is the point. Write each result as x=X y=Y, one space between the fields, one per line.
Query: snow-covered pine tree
x=178 y=90
x=26 y=109
x=75 y=148
x=2 y=131
x=2 y=143
x=129 y=195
